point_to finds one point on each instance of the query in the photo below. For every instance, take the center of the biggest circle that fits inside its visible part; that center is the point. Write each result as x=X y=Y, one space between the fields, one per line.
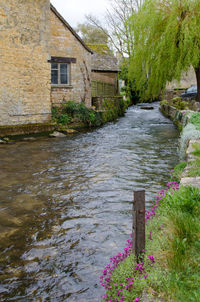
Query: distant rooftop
x=105 y=62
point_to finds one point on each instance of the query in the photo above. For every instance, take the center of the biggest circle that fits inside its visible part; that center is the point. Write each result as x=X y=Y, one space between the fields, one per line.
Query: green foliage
x=194 y=170
x=178 y=103
x=166 y=43
x=70 y=108
x=63 y=119
x=196 y=146
x=114 y=107
x=195 y=120
x=71 y=111
x=92 y=34
x=130 y=88
x=177 y=172
x=54 y=113
x=79 y=111
x=164 y=102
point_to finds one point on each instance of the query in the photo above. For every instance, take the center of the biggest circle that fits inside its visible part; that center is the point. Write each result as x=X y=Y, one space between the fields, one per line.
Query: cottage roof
x=104 y=63
x=70 y=28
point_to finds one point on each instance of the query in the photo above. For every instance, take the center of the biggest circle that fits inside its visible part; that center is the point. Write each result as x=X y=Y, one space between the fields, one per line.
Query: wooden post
x=138 y=231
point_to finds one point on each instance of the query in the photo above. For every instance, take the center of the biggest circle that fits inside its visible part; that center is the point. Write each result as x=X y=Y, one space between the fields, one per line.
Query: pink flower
x=137 y=299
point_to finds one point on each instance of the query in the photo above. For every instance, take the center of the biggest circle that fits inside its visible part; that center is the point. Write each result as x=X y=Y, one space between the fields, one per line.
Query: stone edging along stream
x=181 y=118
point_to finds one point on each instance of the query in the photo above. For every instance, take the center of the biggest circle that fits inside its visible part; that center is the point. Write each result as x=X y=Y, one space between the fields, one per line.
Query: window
x=60 y=73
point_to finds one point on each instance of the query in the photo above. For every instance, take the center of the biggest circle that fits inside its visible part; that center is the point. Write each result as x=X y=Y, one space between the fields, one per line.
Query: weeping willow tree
x=167 y=42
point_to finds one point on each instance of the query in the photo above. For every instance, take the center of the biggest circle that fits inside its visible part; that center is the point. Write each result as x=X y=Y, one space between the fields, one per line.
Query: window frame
x=59 y=84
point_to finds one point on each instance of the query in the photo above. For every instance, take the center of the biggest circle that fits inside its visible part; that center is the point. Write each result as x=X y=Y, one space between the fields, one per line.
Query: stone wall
x=188 y=78
x=179 y=118
x=182 y=119
x=25 y=71
x=64 y=44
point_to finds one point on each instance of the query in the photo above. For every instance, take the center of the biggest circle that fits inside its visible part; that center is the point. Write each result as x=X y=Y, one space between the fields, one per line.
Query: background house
x=175 y=88
x=104 y=75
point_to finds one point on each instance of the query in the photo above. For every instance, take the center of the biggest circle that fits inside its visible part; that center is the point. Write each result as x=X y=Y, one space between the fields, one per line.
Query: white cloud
x=74 y=11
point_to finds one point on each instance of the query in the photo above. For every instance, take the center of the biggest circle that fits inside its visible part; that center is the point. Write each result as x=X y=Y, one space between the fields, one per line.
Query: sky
x=74 y=11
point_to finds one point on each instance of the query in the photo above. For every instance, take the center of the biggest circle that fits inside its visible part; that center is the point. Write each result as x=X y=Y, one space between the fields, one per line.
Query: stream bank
x=188 y=121
x=169 y=270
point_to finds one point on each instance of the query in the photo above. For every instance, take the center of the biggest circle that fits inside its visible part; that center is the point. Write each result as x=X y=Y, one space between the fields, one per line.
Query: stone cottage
x=70 y=63
x=43 y=62
x=104 y=77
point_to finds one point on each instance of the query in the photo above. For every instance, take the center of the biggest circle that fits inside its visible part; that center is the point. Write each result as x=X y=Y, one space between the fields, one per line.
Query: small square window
x=60 y=73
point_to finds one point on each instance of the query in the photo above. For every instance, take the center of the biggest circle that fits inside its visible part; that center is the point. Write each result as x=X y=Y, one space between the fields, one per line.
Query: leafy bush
x=59 y=117
x=70 y=108
x=179 y=103
x=70 y=111
x=164 y=102
x=63 y=119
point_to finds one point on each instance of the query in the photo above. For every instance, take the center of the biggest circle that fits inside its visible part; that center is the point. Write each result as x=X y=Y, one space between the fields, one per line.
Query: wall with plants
x=79 y=116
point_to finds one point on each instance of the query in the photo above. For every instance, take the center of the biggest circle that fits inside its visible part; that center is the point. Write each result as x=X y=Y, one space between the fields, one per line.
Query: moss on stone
x=102 y=49
x=26 y=129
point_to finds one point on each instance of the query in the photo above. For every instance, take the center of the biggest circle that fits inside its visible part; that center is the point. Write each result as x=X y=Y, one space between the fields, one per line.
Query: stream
x=66 y=203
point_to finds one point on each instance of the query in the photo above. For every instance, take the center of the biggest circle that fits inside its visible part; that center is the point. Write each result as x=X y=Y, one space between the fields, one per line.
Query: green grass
x=195 y=120
x=177 y=172
x=195 y=165
x=175 y=244
x=196 y=152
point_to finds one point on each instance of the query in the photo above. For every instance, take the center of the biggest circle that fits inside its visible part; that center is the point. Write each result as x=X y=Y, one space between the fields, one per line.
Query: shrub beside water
x=178 y=103
x=71 y=111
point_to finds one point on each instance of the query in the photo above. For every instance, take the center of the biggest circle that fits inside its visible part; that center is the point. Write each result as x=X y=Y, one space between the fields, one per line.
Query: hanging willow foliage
x=167 y=42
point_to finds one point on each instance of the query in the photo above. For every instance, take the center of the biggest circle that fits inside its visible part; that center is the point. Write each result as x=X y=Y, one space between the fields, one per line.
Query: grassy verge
x=195 y=164
x=170 y=270
x=177 y=171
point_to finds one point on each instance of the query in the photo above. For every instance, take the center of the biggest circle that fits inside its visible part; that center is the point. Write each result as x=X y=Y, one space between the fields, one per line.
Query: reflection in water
x=65 y=204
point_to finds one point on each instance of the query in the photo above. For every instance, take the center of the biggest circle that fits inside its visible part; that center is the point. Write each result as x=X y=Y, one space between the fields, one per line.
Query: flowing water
x=65 y=204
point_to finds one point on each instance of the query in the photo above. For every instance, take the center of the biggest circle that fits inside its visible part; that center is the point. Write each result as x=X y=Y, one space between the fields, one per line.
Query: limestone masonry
x=65 y=43
x=25 y=71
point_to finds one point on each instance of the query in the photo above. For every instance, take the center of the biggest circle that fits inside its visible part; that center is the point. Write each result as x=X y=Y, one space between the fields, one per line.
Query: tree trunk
x=197 y=71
